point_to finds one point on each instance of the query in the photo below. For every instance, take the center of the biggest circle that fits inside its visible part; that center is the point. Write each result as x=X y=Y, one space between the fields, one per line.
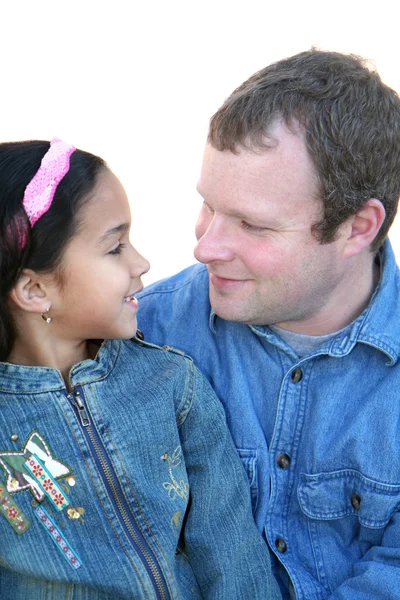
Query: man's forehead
x=284 y=149
x=282 y=170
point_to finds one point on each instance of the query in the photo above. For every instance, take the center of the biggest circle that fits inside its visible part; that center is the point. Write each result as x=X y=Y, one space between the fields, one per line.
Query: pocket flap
x=340 y=494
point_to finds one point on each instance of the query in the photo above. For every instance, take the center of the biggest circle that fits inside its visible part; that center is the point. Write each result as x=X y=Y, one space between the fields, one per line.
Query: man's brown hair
x=351 y=123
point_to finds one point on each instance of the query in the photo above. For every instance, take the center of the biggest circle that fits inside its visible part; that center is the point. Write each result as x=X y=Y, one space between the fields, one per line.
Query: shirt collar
x=376 y=326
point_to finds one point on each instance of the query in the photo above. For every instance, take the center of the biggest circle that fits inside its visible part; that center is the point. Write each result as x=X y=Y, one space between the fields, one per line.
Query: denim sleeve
x=227 y=553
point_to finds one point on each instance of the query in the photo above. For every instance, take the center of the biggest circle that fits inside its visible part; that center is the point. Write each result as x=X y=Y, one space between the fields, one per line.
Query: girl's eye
x=118 y=249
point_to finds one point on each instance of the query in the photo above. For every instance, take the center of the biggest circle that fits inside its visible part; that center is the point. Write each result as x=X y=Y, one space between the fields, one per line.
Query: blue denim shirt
x=140 y=461
x=326 y=486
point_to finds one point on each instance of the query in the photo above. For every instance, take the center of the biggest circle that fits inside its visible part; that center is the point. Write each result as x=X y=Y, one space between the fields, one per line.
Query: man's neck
x=348 y=302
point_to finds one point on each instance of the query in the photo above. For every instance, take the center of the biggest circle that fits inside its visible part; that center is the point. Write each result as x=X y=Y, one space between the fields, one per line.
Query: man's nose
x=215 y=242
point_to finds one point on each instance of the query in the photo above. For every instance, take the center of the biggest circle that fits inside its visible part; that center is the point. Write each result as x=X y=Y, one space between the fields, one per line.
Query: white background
x=136 y=83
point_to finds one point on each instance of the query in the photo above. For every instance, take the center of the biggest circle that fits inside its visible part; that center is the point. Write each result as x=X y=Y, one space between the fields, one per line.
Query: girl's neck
x=50 y=353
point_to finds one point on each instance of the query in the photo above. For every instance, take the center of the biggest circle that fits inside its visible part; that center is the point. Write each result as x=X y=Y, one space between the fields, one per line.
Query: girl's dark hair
x=47 y=240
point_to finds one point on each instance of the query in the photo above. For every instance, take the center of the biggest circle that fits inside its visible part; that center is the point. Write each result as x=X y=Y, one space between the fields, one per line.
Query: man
x=295 y=317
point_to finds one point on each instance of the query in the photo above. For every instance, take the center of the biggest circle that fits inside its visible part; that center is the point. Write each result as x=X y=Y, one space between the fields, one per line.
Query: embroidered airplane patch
x=19 y=477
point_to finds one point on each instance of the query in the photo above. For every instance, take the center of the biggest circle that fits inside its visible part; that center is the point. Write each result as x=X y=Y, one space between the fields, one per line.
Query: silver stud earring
x=43 y=315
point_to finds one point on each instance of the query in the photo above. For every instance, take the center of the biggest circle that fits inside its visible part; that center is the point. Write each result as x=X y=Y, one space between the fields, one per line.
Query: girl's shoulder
x=152 y=353
x=163 y=368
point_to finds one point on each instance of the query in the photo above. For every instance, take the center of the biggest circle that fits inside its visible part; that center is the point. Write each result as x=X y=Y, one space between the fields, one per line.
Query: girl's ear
x=30 y=293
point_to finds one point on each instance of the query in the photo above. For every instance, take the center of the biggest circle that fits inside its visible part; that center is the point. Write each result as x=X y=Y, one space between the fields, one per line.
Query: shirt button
x=297 y=375
x=281 y=545
x=283 y=461
x=356 y=501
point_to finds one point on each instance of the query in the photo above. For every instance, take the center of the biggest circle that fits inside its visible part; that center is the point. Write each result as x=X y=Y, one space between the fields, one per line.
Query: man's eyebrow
x=113 y=231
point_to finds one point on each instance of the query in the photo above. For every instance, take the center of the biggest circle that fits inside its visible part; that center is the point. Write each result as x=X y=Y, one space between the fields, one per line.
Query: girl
x=118 y=477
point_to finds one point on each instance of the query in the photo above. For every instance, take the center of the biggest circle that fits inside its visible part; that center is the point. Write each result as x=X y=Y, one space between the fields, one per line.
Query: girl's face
x=101 y=271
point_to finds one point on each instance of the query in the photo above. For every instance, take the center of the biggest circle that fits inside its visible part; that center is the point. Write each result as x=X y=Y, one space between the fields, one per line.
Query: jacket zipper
x=114 y=488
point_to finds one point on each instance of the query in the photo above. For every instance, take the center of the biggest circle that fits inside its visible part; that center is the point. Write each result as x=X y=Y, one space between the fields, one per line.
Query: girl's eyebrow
x=110 y=232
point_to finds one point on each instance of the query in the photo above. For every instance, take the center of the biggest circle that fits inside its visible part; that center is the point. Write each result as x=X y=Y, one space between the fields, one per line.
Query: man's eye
x=253 y=227
x=118 y=249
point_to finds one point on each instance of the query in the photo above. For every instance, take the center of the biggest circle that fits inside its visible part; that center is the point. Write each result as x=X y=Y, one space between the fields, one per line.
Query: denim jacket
x=325 y=483
x=100 y=485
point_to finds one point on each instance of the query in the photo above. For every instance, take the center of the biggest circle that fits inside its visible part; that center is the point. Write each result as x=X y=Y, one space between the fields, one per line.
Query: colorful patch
x=46 y=482
x=57 y=537
x=12 y=512
x=174 y=487
x=14 y=464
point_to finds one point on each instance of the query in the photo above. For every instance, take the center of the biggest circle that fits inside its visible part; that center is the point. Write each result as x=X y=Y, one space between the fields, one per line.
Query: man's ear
x=365 y=226
x=30 y=293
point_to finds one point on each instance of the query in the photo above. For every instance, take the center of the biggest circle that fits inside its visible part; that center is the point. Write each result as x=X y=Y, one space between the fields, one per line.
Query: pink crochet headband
x=39 y=192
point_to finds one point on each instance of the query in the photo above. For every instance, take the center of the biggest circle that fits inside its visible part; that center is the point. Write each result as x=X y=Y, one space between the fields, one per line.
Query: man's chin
x=226 y=312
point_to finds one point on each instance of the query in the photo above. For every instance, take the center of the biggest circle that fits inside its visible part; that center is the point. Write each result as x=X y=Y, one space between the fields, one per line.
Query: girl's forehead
x=107 y=210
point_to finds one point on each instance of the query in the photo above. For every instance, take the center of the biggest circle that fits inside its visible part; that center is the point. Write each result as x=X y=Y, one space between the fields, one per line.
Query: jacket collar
x=19 y=379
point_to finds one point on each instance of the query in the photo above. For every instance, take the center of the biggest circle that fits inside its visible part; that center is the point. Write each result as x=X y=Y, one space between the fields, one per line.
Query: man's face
x=254 y=235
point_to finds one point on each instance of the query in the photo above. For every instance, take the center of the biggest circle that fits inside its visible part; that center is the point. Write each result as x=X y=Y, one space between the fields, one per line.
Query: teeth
x=129 y=298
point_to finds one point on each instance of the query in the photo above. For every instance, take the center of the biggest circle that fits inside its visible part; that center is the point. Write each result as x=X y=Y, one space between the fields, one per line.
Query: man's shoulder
x=174 y=310
x=188 y=284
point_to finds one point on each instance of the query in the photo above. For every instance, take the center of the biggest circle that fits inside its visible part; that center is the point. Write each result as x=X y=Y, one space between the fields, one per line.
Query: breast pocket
x=347 y=514
x=249 y=461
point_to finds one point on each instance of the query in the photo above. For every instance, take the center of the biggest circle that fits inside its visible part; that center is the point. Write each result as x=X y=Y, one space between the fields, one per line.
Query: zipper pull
x=80 y=407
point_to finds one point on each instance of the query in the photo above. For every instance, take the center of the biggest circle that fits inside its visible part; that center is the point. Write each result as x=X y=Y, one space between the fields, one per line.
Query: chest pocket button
x=356 y=501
